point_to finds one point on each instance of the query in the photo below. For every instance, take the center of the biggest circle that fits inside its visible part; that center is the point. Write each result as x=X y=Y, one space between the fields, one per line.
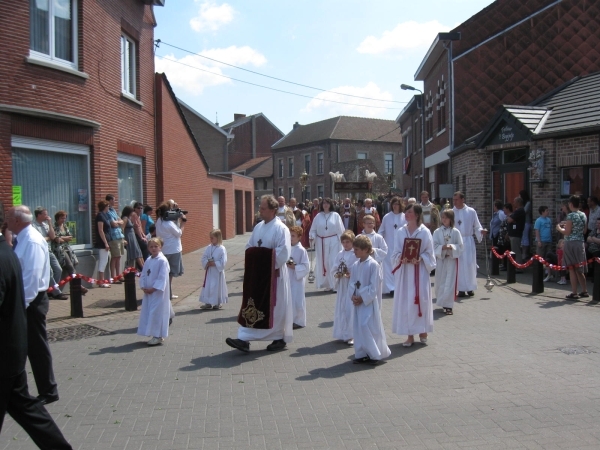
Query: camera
x=174 y=214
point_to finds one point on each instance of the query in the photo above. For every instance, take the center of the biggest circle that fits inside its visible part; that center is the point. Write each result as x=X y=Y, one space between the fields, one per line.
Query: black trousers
x=38 y=350
x=29 y=412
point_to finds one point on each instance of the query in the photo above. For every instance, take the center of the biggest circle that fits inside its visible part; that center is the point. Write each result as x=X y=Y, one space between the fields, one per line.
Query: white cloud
x=355 y=107
x=183 y=73
x=212 y=16
x=406 y=36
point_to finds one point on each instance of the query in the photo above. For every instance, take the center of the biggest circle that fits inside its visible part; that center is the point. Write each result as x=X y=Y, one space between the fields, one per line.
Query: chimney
x=238 y=116
x=296 y=125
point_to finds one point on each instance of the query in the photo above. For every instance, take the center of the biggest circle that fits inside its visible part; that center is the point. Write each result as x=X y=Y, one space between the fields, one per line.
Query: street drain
x=576 y=350
x=75 y=332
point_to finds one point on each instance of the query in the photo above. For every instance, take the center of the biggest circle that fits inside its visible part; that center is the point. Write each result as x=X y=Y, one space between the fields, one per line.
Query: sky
x=358 y=48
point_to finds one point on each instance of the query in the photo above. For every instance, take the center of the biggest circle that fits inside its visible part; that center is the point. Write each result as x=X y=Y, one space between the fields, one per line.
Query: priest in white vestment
x=271 y=233
x=448 y=245
x=410 y=316
x=391 y=223
x=156 y=303
x=325 y=232
x=467 y=222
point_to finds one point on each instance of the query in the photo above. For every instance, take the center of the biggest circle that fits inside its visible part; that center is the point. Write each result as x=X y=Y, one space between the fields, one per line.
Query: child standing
x=380 y=248
x=447 y=245
x=156 y=304
x=366 y=278
x=214 y=259
x=298 y=267
x=543 y=236
x=342 y=318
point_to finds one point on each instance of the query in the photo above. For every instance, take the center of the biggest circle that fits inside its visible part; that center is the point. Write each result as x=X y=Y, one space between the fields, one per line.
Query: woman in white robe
x=390 y=225
x=409 y=317
x=370 y=343
x=448 y=245
x=214 y=292
x=342 y=316
x=325 y=232
x=156 y=303
x=297 y=273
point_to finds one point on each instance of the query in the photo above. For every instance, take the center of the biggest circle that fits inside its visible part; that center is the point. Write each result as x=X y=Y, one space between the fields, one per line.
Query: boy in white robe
x=156 y=304
x=370 y=344
x=342 y=317
x=380 y=248
x=214 y=289
x=448 y=245
x=298 y=267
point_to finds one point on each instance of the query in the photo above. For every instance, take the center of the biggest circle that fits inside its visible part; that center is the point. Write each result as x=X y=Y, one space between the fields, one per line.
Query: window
x=280 y=168
x=429 y=116
x=406 y=141
x=319 y=163
x=265 y=184
x=306 y=194
x=128 y=66
x=129 y=168
x=441 y=108
x=320 y=191
x=361 y=155
x=53 y=31
x=33 y=158
x=290 y=167
x=307 y=164
x=280 y=192
x=388 y=163
x=290 y=192
x=595 y=182
x=571 y=181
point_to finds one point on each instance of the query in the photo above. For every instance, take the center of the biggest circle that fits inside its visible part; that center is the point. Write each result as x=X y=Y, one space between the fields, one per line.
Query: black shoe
x=238 y=344
x=170 y=321
x=47 y=399
x=363 y=360
x=60 y=297
x=296 y=326
x=470 y=293
x=461 y=294
x=279 y=344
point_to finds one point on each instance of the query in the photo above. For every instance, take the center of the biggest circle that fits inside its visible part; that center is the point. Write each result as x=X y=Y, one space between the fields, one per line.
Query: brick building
x=261 y=171
x=512 y=52
x=77 y=119
x=317 y=147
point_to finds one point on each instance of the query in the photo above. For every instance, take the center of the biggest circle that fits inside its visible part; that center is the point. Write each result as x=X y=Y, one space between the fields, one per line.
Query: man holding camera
x=170 y=223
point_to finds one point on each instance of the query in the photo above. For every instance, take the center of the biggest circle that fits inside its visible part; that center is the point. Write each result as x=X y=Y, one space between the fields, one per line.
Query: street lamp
x=406 y=87
x=303 y=182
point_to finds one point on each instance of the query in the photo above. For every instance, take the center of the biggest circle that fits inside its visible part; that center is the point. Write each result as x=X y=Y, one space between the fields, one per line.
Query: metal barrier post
x=537 y=286
x=511 y=274
x=75 y=298
x=596 y=292
x=130 y=298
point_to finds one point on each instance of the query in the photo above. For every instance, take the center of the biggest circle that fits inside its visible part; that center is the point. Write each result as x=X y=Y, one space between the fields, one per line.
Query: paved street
x=492 y=376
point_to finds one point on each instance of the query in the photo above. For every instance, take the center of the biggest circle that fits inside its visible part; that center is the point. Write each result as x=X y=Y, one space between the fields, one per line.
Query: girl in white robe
x=370 y=344
x=325 y=232
x=390 y=225
x=448 y=245
x=156 y=303
x=297 y=271
x=409 y=317
x=342 y=317
x=214 y=289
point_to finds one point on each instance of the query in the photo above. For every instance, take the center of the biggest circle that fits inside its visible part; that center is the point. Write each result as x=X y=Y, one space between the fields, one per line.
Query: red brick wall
x=266 y=136
x=240 y=149
x=184 y=177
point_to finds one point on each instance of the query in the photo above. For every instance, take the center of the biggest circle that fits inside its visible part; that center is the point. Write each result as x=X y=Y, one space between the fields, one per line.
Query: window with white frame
x=388 y=163
x=320 y=191
x=306 y=195
x=129 y=168
x=307 y=164
x=53 y=31
x=128 y=66
x=361 y=155
x=33 y=159
x=290 y=167
x=290 y=192
x=280 y=192
x=406 y=142
x=319 y=163
x=280 y=168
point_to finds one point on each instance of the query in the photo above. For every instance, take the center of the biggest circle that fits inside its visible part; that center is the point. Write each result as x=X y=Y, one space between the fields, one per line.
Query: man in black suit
x=26 y=410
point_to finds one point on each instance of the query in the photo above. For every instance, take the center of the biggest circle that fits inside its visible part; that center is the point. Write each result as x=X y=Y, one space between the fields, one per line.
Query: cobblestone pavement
x=507 y=370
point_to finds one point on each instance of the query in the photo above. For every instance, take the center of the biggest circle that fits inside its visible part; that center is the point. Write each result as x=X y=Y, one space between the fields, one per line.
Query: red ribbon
x=456 y=280
x=417 y=301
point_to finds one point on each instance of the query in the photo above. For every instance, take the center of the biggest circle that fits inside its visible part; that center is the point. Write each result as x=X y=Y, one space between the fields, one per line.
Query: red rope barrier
x=93 y=280
x=508 y=255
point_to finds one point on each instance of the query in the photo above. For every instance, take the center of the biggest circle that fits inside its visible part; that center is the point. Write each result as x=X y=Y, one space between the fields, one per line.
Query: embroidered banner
x=260 y=288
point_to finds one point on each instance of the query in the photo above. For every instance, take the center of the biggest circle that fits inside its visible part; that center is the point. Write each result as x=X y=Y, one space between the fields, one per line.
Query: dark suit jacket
x=13 y=319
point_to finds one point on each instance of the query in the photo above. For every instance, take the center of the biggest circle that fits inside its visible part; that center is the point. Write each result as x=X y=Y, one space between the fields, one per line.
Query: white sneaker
x=206 y=306
x=548 y=278
x=173 y=296
x=561 y=282
x=155 y=341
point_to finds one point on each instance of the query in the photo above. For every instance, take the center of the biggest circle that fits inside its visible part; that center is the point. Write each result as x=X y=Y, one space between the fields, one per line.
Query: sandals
x=573 y=296
x=584 y=294
x=448 y=311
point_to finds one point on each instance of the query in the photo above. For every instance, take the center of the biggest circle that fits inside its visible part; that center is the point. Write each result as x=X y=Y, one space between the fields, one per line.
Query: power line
x=383 y=135
x=158 y=42
x=271 y=88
